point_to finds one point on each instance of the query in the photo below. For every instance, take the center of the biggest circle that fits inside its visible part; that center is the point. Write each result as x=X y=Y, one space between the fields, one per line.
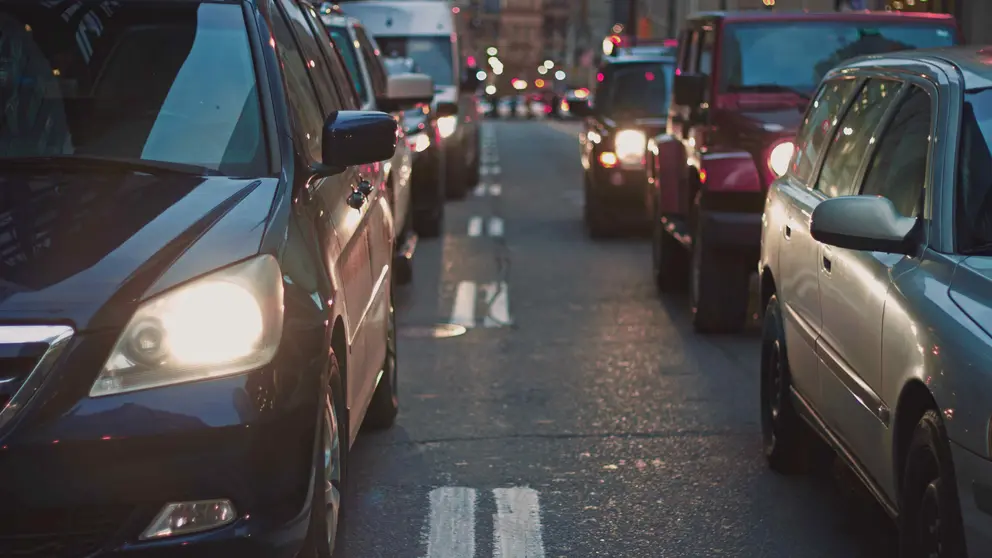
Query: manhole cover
x=437 y=331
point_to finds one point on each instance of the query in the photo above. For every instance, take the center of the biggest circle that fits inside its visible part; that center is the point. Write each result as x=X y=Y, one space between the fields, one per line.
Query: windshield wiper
x=89 y=162
x=770 y=88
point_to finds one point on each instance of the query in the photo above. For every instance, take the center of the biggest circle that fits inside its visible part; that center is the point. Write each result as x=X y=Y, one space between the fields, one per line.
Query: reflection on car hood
x=971 y=290
x=85 y=247
x=773 y=120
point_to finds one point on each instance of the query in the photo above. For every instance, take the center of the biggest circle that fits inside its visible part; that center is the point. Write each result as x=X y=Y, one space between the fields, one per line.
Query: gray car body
x=917 y=328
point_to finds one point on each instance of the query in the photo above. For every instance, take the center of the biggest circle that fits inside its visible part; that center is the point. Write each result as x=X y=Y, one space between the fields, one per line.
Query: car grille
x=75 y=533
x=27 y=354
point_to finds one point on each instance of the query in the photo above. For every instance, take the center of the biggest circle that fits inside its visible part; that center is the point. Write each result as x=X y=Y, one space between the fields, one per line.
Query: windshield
x=975 y=170
x=347 y=47
x=152 y=81
x=635 y=90
x=796 y=55
x=433 y=55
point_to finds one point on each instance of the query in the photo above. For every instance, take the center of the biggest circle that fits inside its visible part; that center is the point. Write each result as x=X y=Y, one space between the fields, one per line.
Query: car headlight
x=780 y=156
x=629 y=146
x=446 y=125
x=421 y=143
x=221 y=324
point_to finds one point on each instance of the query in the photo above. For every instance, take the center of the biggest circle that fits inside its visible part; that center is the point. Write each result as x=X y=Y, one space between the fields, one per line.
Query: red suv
x=741 y=90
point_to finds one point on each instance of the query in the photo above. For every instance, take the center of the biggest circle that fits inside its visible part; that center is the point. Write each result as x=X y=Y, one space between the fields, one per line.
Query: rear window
x=635 y=90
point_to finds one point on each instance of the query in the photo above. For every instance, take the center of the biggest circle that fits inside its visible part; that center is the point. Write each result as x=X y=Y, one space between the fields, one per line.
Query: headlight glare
x=446 y=125
x=780 y=156
x=225 y=323
x=629 y=146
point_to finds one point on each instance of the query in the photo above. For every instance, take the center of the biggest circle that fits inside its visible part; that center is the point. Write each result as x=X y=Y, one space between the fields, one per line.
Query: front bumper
x=974 y=475
x=83 y=476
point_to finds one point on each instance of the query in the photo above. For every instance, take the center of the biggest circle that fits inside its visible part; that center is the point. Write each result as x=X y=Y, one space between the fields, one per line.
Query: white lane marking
x=475 y=226
x=452 y=523
x=484 y=171
x=517 y=524
x=498 y=300
x=480 y=190
x=495 y=189
x=463 y=312
x=495 y=226
x=495 y=169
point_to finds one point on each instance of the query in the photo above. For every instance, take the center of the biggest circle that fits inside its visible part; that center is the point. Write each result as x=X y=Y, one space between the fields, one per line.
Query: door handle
x=788 y=232
x=826 y=264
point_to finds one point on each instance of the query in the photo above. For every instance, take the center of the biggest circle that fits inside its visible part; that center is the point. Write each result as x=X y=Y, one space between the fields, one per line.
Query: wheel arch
x=915 y=399
x=766 y=288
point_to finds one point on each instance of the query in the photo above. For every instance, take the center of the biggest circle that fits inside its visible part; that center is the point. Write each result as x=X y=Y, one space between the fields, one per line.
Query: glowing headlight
x=780 y=156
x=447 y=125
x=225 y=323
x=629 y=146
x=422 y=142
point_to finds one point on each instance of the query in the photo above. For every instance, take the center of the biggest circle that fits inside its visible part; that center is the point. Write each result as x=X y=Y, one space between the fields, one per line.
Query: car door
x=791 y=202
x=854 y=285
x=339 y=226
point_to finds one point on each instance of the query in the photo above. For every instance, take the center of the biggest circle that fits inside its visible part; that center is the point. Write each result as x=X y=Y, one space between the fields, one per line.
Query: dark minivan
x=195 y=299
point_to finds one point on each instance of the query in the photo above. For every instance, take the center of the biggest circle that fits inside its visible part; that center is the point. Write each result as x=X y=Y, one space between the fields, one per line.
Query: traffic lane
x=640 y=438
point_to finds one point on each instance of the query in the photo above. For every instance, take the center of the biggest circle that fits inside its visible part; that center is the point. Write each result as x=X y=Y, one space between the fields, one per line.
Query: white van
x=424 y=30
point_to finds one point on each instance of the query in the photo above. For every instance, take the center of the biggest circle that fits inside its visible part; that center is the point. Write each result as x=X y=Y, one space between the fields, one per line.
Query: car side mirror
x=406 y=91
x=446 y=108
x=355 y=137
x=868 y=223
x=580 y=107
x=689 y=89
x=471 y=82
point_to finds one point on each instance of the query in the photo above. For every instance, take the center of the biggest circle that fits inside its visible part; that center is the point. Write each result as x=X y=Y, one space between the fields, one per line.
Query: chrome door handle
x=826 y=264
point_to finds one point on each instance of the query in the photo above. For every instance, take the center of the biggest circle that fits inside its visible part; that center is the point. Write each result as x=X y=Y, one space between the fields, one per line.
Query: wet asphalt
x=583 y=417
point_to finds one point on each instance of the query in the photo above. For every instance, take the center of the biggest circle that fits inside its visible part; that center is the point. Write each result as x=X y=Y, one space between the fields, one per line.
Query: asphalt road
x=578 y=415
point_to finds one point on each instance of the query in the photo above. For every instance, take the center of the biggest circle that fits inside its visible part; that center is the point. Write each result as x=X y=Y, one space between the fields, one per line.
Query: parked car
x=739 y=94
x=876 y=251
x=632 y=105
x=190 y=333
x=376 y=90
x=425 y=31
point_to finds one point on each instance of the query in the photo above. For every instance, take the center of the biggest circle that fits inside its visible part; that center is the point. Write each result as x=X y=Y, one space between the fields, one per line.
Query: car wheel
x=930 y=516
x=785 y=437
x=668 y=258
x=326 y=517
x=719 y=288
x=385 y=404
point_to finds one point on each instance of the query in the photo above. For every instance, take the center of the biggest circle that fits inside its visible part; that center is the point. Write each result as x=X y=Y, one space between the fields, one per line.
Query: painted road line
x=463 y=312
x=495 y=189
x=495 y=227
x=495 y=169
x=517 y=524
x=498 y=301
x=480 y=190
x=452 y=523
x=485 y=170
x=475 y=226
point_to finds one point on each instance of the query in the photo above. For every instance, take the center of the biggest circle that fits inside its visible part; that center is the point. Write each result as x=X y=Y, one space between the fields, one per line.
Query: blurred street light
x=498 y=70
x=542 y=70
x=492 y=51
x=490 y=90
x=560 y=75
x=539 y=83
x=493 y=61
x=549 y=64
x=481 y=75
x=519 y=84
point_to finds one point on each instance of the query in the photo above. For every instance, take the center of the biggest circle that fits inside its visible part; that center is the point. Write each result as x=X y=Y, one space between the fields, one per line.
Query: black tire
x=328 y=491
x=787 y=440
x=385 y=404
x=429 y=223
x=719 y=285
x=669 y=259
x=930 y=512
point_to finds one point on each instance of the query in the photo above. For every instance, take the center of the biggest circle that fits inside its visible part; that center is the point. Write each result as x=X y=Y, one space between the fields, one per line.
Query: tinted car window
x=796 y=55
x=133 y=88
x=819 y=124
x=302 y=98
x=975 y=170
x=852 y=138
x=371 y=55
x=898 y=169
x=432 y=54
x=635 y=90
x=320 y=74
x=347 y=48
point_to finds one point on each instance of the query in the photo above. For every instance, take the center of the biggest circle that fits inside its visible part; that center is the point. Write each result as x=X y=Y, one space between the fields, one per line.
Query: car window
x=371 y=55
x=853 y=136
x=432 y=54
x=345 y=88
x=708 y=44
x=898 y=169
x=135 y=90
x=346 y=46
x=301 y=96
x=635 y=90
x=819 y=124
x=974 y=215
x=693 y=54
x=320 y=75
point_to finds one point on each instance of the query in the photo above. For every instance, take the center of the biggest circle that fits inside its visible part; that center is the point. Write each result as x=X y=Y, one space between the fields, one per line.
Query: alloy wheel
x=773 y=383
x=928 y=521
x=332 y=470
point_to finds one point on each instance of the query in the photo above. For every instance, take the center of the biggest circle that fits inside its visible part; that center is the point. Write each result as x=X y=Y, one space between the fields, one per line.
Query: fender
x=728 y=171
x=667 y=172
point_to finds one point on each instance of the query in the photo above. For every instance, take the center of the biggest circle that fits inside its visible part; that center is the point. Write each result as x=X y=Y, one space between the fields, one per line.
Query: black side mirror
x=580 y=107
x=471 y=82
x=868 y=223
x=446 y=108
x=690 y=89
x=354 y=137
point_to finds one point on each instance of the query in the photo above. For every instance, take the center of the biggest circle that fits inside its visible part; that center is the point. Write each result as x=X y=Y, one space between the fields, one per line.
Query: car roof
x=973 y=62
x=806 y=15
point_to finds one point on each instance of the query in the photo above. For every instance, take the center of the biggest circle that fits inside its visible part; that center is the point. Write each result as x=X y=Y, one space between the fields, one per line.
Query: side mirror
x=689 y=89
x=355 y=137
x=471 y=82
x=868 y=223
x=580 y=107
x=446 y=108
x=406 y=91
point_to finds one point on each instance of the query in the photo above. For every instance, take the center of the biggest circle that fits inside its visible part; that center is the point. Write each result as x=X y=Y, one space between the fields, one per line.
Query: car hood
x=85 y=248
x=772 y=120
x=971 y=290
